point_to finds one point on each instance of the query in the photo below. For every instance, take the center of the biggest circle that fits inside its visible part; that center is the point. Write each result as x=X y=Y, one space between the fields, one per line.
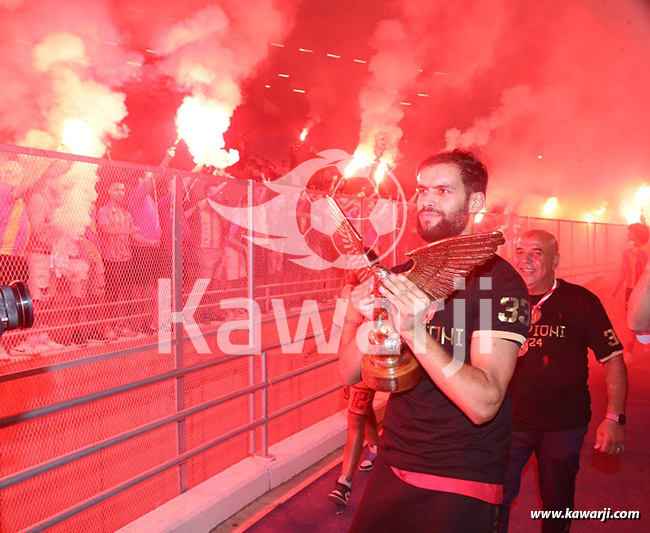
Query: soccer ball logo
x=298 y=221
x=380 y=221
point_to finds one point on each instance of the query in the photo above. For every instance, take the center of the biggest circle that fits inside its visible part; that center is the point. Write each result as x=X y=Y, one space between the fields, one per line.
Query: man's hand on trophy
x=410 y=302
x=363 y=300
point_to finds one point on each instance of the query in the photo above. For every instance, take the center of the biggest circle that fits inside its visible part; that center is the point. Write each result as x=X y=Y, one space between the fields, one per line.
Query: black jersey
x=549 y=388
x=424 y=431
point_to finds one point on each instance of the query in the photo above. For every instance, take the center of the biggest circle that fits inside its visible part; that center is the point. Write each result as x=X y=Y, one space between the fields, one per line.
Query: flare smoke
x=210 y=54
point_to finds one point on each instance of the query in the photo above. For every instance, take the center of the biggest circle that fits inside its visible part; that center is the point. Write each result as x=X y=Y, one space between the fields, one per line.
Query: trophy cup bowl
x=390 y=367
x=391 y=373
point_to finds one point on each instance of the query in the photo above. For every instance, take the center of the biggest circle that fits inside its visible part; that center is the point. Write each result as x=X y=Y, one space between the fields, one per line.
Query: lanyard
x=536 y=313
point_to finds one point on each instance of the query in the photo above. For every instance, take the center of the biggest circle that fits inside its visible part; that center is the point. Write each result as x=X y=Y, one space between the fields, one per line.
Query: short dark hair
x=641 y=231
x=472 y=171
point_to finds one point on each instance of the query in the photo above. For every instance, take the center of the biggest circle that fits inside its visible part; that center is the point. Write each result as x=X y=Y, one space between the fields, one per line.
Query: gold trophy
x=390 y=367
x=437 y=268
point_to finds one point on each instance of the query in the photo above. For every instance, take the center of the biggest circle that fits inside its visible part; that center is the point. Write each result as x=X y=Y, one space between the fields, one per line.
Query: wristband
x=620 y=419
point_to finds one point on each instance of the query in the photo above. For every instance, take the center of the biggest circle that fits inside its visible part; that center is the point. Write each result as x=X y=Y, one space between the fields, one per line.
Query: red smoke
x=567 y=81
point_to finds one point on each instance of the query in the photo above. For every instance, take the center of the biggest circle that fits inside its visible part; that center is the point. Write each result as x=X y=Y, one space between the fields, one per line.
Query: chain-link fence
x=110 y=407
x=106 y=400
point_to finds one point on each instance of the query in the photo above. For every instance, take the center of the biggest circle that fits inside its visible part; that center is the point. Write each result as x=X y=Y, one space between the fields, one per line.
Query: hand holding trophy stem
x=390 y=366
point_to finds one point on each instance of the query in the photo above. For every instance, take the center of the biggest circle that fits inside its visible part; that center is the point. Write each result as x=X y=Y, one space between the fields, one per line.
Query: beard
x=450 y=224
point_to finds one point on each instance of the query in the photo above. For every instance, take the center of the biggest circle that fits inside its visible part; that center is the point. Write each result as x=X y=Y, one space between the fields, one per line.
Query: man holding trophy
x=447 y=431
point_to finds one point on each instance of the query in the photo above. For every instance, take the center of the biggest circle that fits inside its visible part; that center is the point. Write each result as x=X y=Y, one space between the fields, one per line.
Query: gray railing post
x=177 y=291
x=251 y=315
x=395 y=215
x=265 y=407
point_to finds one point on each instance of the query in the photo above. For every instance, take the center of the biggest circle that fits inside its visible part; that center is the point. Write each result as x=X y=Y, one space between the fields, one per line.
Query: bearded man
x=442 y=454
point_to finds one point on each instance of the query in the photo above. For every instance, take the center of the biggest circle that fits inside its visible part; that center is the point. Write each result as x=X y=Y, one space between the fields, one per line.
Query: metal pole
x=177 y=341
x=395 y=214
x=251 y=402
x=265 y=407
x=251 y=316
x=572 y=224
x=251 y=264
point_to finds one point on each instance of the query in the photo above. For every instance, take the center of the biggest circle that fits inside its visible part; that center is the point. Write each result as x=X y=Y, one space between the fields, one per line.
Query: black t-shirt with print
x=549 y=390
x=424 y=431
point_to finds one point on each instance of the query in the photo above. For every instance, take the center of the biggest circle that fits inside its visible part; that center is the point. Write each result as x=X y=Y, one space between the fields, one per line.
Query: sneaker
x=369 y=462
x=4 y=356
x=341 y=493
x=41 y=343
x=165 y=327
x=144 y=331
x=24 y=348
x=53 y=346
x=96 y=337
x=126 y=332
x=110 y=334
x=79 y=339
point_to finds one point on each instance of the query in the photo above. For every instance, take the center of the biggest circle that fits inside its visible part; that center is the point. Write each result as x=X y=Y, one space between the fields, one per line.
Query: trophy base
x=397 y=379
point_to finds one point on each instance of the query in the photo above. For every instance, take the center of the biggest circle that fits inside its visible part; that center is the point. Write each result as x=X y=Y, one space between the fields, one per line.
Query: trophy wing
x=351 y=240
x=438 y=266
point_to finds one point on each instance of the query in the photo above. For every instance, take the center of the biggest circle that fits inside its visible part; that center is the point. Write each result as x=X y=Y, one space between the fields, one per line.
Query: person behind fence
x=14 y=223
x=96 y=290
x=442 y=451
x=361 y=417
x=638 y=312
x=634 y=260
x=235 y=257
x=80 y=270
x=29 y=197
x=166 y=213
x=79 y=275
x=209 y=249
x=14 y=227
x=143 y=206
x=117 y=231
x=549 y=392
x=42 y=258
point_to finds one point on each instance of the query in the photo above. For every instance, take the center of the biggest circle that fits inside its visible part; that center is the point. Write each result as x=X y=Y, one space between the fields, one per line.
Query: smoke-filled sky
x=552 y=94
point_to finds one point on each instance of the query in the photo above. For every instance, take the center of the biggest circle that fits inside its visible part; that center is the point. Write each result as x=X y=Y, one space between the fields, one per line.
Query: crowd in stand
x=101 y=285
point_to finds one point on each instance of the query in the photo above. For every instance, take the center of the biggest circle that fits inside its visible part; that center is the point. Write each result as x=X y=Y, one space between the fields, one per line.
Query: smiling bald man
x=548 y=390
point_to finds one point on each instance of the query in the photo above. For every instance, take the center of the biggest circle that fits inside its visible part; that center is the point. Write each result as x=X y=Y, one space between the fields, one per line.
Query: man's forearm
x=616 y=384
x=638 y=313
